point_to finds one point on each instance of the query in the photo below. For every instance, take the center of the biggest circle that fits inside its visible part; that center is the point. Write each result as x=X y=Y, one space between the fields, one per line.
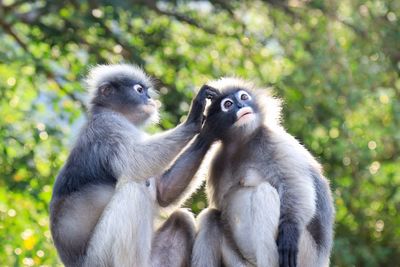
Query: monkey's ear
x=211 y=92
x=105 y=89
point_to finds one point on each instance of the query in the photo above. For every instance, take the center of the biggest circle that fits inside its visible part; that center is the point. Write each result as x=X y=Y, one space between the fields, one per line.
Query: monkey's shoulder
x=110 y=126
x=89 y=160
x=284 y=151
x=82 y=169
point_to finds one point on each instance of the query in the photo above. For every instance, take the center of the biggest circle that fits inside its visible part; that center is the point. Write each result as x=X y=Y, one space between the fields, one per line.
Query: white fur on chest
x=253 y=216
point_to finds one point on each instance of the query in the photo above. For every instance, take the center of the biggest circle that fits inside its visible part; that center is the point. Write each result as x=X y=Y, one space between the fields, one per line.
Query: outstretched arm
x=142 y=160
x=173 y=182
x=151 y=157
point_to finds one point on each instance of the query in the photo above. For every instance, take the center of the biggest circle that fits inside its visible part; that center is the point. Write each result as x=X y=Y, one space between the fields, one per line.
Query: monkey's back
x=90 y=159
x=86 y=183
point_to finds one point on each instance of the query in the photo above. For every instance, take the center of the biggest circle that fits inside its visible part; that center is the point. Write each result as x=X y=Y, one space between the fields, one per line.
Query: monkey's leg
x=124 y=232
x=315 y=241
x=265 y=211
x=73 y=219
x=253 y=217
x=211 y=248
x=173 y=241
x=231 y=257
x=207 y=246
x=308 y=255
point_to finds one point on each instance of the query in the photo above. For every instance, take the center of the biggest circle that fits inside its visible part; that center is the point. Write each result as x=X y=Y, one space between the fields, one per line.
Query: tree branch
x=9 y=30
x=151 y=4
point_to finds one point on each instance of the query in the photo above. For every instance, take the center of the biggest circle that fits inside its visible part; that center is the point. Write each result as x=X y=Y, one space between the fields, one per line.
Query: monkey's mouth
x=149 y=108
x=151 y=102
x=244 y=115
x=244 y=112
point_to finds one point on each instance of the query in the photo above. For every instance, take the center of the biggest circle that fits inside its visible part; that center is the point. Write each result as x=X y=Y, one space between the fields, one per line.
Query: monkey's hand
x=198 y=105
x=287 y=242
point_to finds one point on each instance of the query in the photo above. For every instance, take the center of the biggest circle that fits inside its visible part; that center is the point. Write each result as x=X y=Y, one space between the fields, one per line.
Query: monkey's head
x=125 y=89
x=240 y=109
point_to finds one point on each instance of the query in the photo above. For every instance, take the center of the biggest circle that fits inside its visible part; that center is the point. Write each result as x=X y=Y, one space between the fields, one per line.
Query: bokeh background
x=336 y=64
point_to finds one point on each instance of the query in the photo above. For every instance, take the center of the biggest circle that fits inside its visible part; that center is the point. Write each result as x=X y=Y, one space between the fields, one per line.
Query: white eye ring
x=138 y=88
x=226 y=104
x=244 y=96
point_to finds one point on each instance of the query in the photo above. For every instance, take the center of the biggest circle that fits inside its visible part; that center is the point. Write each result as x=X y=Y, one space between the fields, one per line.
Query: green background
x=336 y=64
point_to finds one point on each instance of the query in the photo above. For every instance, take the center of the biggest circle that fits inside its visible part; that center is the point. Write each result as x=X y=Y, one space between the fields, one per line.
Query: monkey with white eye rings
x=269 y=203
x=104 y=202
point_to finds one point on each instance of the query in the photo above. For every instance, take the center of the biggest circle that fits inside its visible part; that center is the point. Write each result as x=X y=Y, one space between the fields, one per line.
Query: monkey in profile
x=269 y=203
x=106 y=195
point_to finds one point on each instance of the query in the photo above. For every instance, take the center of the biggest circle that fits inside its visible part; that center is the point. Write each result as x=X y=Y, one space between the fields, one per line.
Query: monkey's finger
x=213 y=90
x=211 y=94
x=292 y=258
x=286 y=258
x=282 y=259
x=204 y=87
x=210 y=91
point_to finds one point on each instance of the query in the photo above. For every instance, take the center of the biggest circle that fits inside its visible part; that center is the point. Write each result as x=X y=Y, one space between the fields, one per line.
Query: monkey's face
x=131 y=98
x=233 y=114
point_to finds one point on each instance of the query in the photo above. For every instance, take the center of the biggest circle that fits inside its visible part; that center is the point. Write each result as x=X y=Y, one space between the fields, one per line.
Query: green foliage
x=335 y=63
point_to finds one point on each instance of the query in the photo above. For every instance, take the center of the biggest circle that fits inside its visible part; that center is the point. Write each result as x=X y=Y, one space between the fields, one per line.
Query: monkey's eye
x=226 y=104
x=244 y=95
x=138 y=88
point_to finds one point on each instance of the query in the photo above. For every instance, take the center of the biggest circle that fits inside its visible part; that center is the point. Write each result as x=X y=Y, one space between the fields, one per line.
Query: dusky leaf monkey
x=269 y=203
x=106 y=195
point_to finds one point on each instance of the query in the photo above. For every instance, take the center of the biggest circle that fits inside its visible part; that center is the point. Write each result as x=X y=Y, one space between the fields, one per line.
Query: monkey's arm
x=142 y=160
x=173 y=182
x=155 y=154
x=297 y=197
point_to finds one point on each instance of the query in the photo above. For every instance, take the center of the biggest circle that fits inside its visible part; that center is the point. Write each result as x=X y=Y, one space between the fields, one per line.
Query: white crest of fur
x=270 y=106
x=103 y=73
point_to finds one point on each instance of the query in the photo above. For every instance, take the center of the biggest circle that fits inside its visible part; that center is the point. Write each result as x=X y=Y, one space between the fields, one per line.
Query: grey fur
x=206 y=249
x=239 y=185
x=105 y=197
x=173 y=242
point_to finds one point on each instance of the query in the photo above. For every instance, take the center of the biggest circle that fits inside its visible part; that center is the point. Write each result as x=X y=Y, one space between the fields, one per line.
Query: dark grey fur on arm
x=294 y=216
x=172 y=183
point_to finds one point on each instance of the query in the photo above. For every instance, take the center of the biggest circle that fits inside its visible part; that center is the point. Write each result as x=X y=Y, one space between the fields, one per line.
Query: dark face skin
x=128 y=97
x=231 y=114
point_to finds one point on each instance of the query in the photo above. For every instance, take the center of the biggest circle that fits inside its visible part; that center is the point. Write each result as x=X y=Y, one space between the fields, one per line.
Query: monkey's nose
x=239 y=104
